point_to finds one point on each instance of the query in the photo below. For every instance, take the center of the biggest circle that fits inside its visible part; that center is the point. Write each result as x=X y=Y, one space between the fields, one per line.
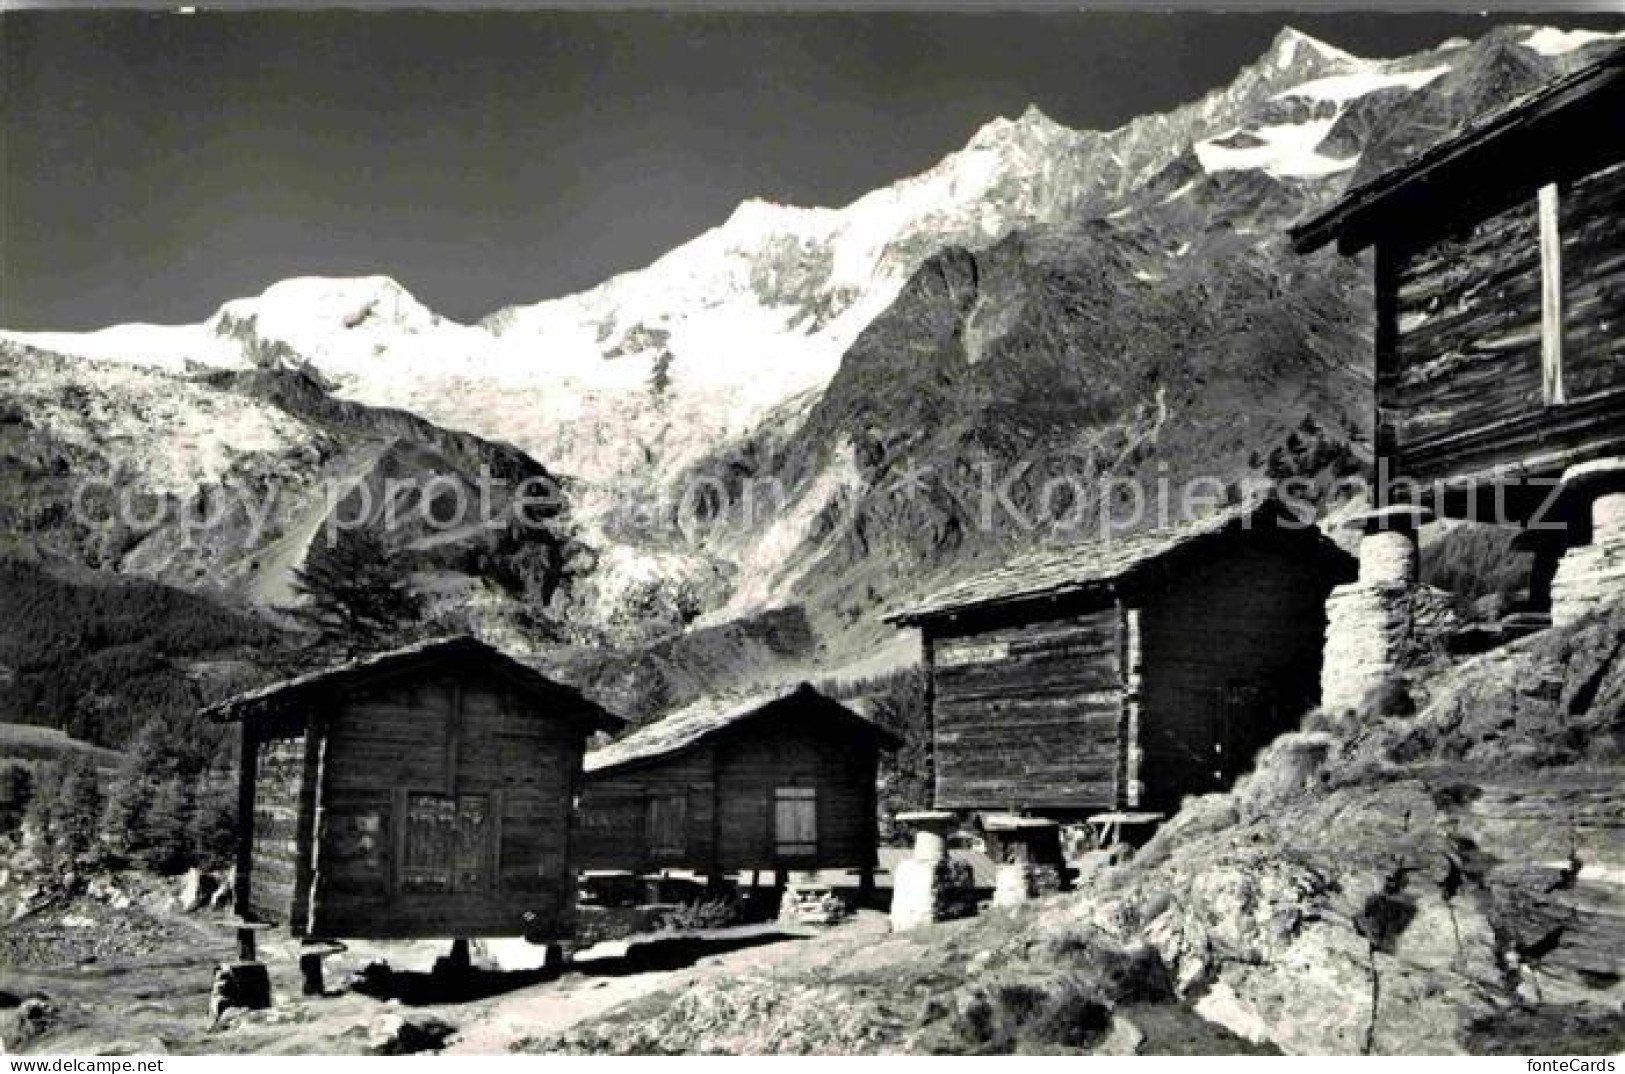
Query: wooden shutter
x=473 y=844
x=447 y=843
x=668 y=825
x=795 y=822
x=431 y=822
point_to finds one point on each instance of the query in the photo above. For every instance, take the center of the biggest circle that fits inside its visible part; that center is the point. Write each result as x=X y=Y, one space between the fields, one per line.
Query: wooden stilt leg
x=460 y=960
x=310 y=975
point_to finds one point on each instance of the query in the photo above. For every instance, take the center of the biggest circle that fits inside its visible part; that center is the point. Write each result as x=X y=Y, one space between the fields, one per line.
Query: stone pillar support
x=1369 y=623
x=1027 y=852
x=1591 y=575
x=929 y=886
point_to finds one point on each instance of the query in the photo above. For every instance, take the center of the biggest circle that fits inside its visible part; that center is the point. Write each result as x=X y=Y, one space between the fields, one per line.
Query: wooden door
x=1245 y=721
x=472 y=847
x=795 y=822
x=667 y=825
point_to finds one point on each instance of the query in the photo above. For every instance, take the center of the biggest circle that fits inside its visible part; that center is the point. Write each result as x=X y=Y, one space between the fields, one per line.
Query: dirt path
x=557 y=1005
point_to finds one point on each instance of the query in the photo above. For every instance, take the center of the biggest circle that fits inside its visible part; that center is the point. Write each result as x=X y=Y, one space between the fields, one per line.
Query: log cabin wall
x=1230 y=659
x=765 y=778
x=1461 y=388
x=1025 y=710
x=713 y=807
x=280 y=808
x=1591 y=221
x=625 y=814
x=446 y=806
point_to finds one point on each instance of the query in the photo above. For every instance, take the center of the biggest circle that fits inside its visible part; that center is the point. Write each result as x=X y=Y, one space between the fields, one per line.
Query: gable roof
x=1108 y=566
x=288 y=694
x=688 y=727
x=1562 y=128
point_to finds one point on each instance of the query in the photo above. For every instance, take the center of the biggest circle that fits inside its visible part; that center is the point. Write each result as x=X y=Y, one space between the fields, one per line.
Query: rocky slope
x=1448 y=881
x=221 y=482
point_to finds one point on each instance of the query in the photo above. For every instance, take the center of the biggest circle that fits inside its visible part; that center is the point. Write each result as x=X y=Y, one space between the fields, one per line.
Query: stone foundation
x=930 y=886
x=245 y=985
x=1375 y=632
x=1019 y=882
x=1385 y=621
x=809 y=902
x=1592 y=574
x=925 y=892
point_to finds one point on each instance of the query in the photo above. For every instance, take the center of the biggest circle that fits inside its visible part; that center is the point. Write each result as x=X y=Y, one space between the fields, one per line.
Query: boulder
x=396 y=1034
x=32 y=1018
x=196 y=888
x=239 y=986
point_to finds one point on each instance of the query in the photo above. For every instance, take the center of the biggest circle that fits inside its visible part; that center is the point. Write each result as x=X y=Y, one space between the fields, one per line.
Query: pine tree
x=124 y=829
x=357 y=595
x=16 y=791
x=213 y=838
x=76 y=812
x=169 y=826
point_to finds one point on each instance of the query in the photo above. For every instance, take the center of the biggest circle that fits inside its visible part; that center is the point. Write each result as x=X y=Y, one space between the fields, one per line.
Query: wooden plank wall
x=840 y=766
x=730 y=782
x=280 y=799
x=1460 y=385
x=613 y=820
x=1591 y=215
x=1026 y=715
x=456 y=736
x=1468 y=342
x=1246 y=615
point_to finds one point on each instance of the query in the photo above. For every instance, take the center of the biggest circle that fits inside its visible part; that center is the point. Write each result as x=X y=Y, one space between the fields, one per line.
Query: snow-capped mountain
x=637 y=377
x=1041 y=286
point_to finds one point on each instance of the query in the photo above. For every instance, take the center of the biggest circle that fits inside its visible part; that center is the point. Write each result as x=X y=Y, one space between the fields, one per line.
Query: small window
x=668 y=825
x=795 y=822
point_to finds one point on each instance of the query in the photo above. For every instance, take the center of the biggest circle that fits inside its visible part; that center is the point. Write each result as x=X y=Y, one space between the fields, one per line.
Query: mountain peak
x=1031 y=123
x=1292 y=44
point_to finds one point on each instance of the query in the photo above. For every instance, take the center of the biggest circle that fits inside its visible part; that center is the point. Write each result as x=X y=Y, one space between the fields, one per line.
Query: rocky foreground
x=1448 y=881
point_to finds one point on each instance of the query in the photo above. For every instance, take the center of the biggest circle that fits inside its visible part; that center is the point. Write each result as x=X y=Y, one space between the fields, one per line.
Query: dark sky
x=153 y=165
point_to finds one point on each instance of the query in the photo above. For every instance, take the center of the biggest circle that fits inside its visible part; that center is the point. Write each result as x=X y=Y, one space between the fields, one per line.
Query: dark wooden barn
x=426 y=791
x=1126 y=673
x=1500 y=291
x=775 y=782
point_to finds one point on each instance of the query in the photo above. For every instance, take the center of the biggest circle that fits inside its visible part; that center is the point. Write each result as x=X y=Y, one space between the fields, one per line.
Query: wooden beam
x=316 y=741
x=1385 y=277
x=1551 y=297
x=929 y=665
x=1133 y=783
x=454 y=735
x=247 y=774
x=398 y=806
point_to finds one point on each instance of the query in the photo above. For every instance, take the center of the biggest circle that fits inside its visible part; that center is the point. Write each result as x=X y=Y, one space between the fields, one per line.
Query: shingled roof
x=1107 y=566
x=289 y=694
x=688 y=727
x=1565 y=126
